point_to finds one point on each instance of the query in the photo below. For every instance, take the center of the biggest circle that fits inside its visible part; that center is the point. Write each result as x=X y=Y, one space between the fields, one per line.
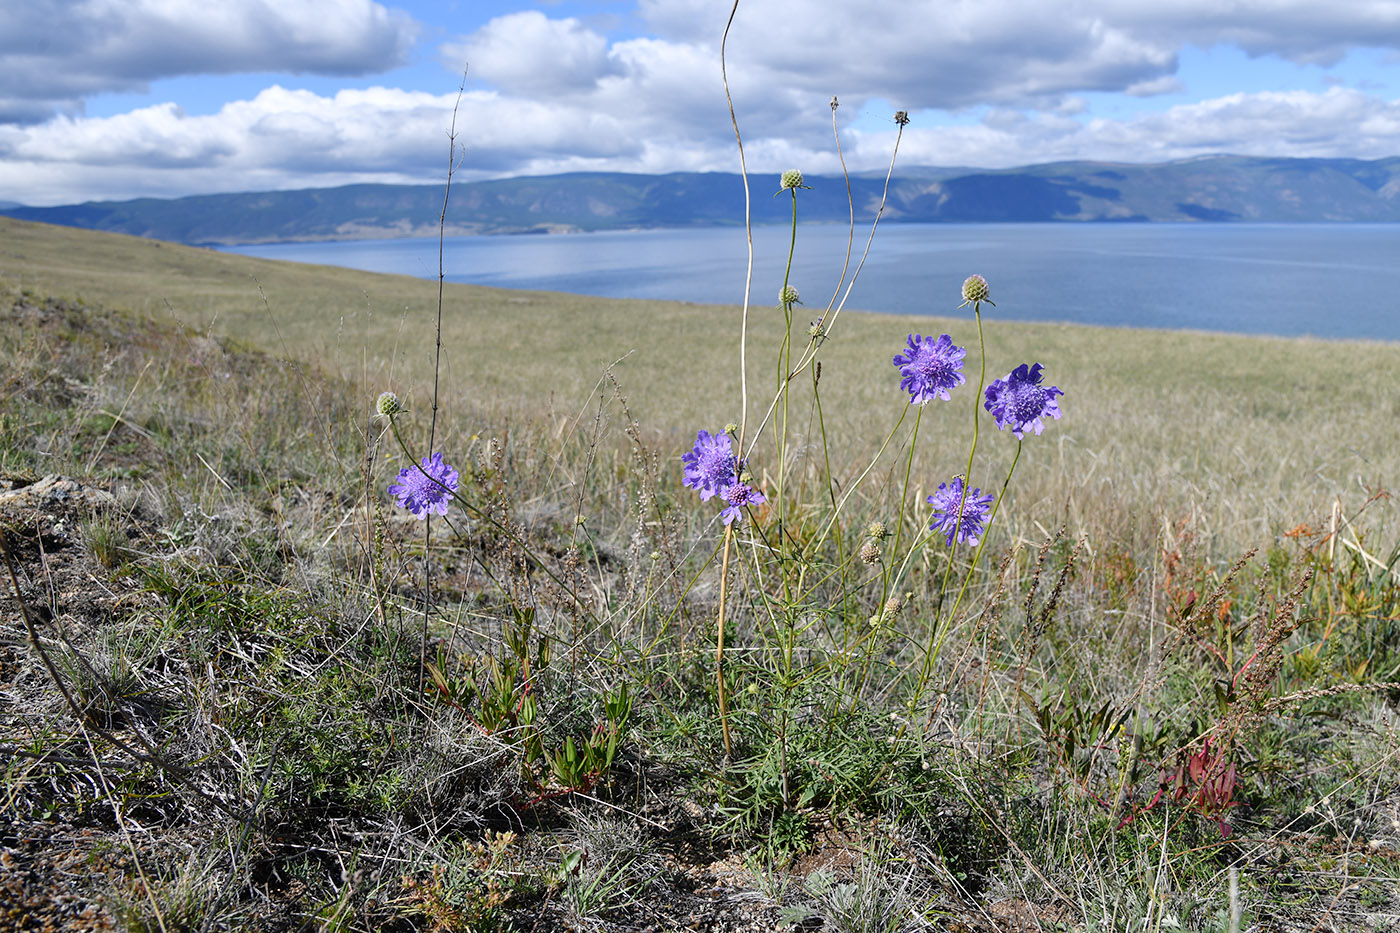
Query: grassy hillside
x=246 y=690
x=1249 y=435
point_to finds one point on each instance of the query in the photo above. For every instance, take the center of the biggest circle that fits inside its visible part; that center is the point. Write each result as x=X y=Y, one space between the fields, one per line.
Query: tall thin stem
x=743 y=381
x=437 y=369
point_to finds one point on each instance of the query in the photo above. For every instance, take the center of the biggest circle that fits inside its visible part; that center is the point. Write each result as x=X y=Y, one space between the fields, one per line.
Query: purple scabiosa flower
x=427 y=487
x=1019 y=401
x=930 y=368
x=946 y=503
x=738 y=495
x=710 y=465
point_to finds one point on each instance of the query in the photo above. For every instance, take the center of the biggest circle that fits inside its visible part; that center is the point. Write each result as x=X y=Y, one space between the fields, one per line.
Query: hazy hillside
x=1217 y=188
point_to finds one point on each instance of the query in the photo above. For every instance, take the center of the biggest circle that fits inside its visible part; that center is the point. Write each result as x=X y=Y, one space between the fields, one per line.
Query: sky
x=117 y=99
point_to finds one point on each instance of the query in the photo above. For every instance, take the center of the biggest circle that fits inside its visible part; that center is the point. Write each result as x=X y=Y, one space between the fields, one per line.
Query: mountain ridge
x=1210 y=189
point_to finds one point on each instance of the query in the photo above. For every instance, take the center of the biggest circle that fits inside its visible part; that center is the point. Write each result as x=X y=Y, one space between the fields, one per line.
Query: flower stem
x=719 y=643
x=903 y=497
x=743 y=358
x=937 y=648
x=933 y=647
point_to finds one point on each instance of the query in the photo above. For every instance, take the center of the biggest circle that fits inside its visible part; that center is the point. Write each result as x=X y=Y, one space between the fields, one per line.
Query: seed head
x=877 y=530
x=974 y=289
x=893 y=606
x=787 y=295
x=792 y=178
x=870 y=552
x=901 y=117
x=388 y=404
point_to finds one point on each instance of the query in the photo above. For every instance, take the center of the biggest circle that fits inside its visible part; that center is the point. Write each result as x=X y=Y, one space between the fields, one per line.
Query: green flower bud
x=388 y=404
x=974 y=289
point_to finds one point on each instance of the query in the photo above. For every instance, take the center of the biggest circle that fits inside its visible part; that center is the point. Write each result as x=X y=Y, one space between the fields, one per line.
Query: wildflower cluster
x=930 y=369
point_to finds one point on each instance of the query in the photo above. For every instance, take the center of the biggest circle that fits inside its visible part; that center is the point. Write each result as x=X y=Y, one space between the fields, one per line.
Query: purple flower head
x=738 y=495
x=710 y=465
x=427 y=487
x=1019 y=401
x=930 y=368
x=946 y=503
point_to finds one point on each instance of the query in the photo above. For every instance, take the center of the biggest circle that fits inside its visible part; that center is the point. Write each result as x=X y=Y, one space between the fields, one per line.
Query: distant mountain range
x=1212 y=189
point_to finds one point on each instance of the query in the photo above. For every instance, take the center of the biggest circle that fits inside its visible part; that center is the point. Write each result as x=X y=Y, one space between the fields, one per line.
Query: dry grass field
x=242 y=689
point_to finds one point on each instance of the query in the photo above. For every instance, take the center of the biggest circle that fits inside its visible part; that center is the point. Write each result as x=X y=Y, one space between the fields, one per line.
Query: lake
x=1326 y=280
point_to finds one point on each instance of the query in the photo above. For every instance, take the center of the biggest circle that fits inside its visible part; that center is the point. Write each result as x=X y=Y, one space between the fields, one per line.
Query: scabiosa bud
x=792 y=178
x=893 y=606
x=877 y=530
x=870 y=552
x=731 y=428
x=975 y=289
x=787 y=295
x=388 y=404
x=739 y=495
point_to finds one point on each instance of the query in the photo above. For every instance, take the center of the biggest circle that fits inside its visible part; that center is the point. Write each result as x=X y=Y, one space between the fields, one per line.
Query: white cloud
x=1167 y=84
x=554 y=95
x=1339 y=122
x=290 y=139
x=528 y=53
x=55 y=53
x=1087 y=40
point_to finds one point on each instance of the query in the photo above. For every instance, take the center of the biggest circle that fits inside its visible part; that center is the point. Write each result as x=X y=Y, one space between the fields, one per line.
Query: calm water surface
x=1285 y=279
